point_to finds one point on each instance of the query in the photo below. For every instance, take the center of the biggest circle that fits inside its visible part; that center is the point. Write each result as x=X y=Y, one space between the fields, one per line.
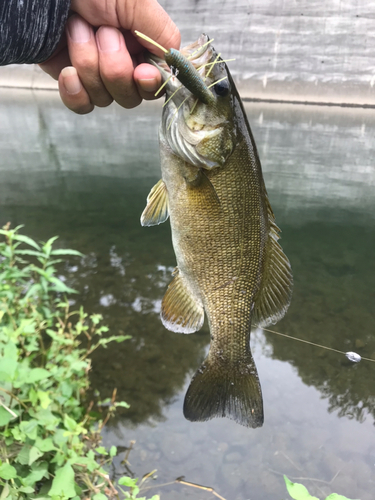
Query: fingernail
x=79 y=30
x=108 y=39
x=71 y=81
x=148 y=84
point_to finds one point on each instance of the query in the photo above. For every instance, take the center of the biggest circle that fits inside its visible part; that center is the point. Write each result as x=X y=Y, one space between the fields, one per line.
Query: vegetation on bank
x=50 y=442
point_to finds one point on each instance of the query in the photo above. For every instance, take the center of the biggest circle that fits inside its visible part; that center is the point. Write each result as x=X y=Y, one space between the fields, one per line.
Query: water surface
x=87 y=178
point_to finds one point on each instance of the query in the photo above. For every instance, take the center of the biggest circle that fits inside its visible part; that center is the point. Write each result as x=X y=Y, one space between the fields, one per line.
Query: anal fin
x=180 y=311
x=157 y=208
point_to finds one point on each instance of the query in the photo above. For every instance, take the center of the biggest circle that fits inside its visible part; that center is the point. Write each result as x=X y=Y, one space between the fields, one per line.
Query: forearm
x=30 y=29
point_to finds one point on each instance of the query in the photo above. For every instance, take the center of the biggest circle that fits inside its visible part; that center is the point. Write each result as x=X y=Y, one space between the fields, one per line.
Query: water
x=87 y=178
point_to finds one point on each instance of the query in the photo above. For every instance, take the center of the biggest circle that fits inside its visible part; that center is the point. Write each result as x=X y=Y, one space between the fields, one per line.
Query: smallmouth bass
x=230 y=265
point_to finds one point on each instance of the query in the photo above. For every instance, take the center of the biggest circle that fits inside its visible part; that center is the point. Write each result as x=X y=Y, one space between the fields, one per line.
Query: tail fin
x=225 y=389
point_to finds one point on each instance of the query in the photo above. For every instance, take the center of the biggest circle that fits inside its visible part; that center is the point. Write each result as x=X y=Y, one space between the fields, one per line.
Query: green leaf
x=30 y=428
x=298 y=491
x=44 y=399
x=66 y=251
x=335 y=496
x=127 y=481
x=60 y=286
x=17 y=434
x=113 y=451
x=7 y=471
x=27 y=240
x=47 y=419
x=34 y=253
x=34 y=454
x=101 y=450
x=26 y=489
x=49 y=243
x=114 y=338
x=121 y=338
x=70 y=424
x=8 y=368
x=38 y=471
x=35 y=289
x=100 y=496
x=23 y=455
x=89 y=461
x=122 y=404
x=45 y=445
x=63 y=482
x=5 y=417
x=37 y=374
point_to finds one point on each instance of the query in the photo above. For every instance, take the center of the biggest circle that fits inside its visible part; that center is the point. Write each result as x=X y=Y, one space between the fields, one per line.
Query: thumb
x=150 y=18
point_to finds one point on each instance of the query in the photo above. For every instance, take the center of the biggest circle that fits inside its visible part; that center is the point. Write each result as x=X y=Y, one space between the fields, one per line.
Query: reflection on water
x=94 y=173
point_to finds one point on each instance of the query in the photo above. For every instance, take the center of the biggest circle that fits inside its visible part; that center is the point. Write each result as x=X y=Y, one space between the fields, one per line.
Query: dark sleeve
x=30 y=29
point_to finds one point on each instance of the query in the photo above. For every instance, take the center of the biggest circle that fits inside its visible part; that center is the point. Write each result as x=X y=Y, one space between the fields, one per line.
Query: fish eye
x=222 y=88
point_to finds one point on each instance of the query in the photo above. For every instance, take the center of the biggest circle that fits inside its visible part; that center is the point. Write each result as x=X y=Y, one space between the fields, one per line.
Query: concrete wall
x=298 y=50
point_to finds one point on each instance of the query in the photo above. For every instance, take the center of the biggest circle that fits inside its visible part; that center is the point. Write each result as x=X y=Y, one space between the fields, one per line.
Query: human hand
x=96 y=66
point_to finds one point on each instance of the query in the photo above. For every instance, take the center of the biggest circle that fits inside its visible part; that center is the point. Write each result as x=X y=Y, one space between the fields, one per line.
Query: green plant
x=299 y=492
x=49 y=443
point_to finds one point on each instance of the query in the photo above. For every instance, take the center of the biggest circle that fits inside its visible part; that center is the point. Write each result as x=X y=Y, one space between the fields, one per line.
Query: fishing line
x=352 y=356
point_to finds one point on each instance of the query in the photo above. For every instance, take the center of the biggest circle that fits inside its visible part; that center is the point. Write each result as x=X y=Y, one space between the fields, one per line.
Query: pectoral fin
x=157 y=208
x=180 y=311
x=274 y=296
x=204 y=190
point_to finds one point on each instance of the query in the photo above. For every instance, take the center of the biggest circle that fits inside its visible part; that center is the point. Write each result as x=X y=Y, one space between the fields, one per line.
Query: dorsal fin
x=273 y=298
x=157 y=208
x=180 y=311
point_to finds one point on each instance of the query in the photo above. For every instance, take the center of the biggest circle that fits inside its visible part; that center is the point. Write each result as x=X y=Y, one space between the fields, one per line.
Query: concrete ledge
x=348 y=94
x=27 y=76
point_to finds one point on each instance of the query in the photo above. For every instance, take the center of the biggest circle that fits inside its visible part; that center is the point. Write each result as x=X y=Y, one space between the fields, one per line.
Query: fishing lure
x=185 y=72
x=189 y=76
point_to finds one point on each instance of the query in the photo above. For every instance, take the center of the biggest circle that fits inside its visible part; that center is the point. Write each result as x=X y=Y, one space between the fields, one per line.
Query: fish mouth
x=189 y=110
x=198 y=53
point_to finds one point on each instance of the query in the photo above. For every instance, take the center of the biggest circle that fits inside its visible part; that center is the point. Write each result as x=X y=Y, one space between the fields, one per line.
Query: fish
x=230 y=265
